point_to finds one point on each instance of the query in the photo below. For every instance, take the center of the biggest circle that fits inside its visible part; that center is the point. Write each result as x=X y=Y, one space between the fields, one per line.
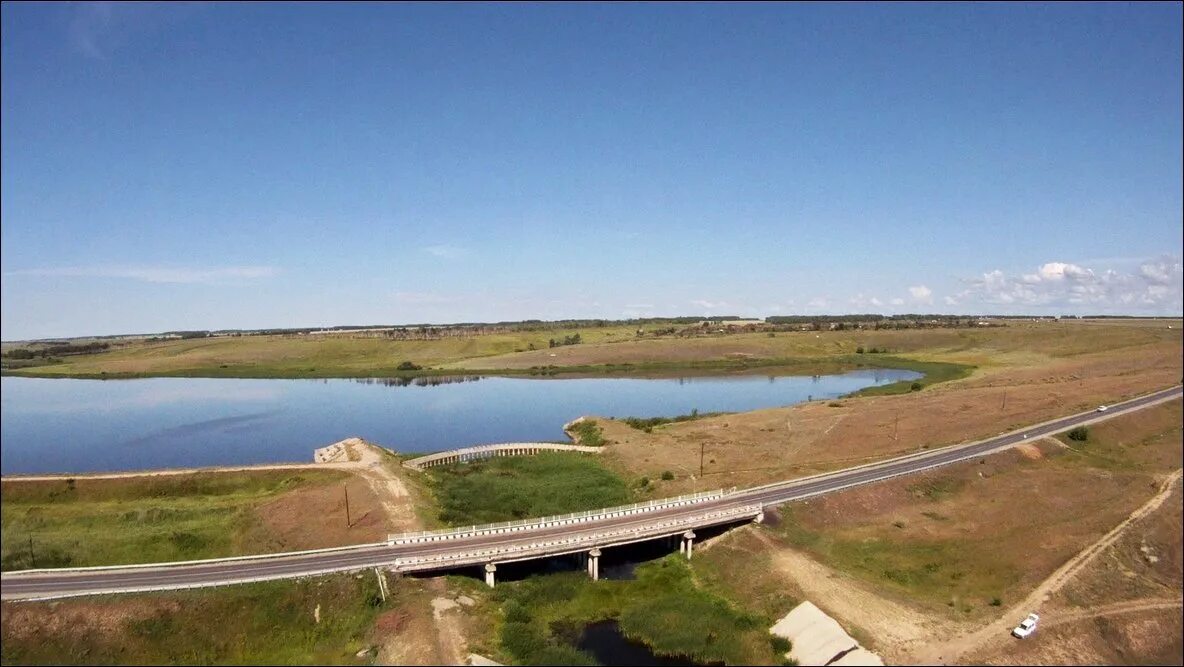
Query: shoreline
x=645 y=370
x=168 y=472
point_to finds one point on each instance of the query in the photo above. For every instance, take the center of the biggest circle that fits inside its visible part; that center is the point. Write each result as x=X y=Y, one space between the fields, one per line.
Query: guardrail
x=561 y=520
x=569 y=544
x=485 y=451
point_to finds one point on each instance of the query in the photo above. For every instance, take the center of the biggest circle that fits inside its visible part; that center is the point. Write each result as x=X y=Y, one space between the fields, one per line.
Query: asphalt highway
x=65 y=582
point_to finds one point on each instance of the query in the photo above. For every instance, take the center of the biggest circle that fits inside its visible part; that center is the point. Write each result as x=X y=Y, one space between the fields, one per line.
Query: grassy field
x=508 y=488
x=322 y=621
x=288 y=356
x=603 y=350
x=142 y=519
x=663 y=607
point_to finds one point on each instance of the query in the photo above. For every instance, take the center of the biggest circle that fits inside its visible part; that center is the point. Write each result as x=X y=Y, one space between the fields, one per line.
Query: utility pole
x=32 y=556
x=895 y=427
x=701 y=445
x=1004 y=400
x=348 y=523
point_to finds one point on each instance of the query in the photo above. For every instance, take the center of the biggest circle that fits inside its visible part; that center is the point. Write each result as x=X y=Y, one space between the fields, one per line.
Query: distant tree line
x=56 y=350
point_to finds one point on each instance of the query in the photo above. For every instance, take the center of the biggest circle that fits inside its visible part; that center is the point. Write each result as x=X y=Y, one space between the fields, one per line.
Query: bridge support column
x=760 y=517
x=688 y=541
x=594 y=564
x=490 y=568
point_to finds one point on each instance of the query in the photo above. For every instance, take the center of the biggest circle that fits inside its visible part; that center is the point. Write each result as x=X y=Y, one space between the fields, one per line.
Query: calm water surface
x=59 y=425
x=609 y=646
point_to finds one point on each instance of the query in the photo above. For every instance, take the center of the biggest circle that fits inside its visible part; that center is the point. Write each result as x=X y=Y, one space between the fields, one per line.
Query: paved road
x=280 y=566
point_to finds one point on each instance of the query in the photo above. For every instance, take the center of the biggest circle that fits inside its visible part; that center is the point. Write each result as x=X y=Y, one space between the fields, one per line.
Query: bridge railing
x=568 y=544
x=419 y=462
x=559 y=520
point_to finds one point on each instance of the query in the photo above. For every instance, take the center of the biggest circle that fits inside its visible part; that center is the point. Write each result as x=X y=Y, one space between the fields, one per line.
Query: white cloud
x=1160 y=271
x=1062 y=271
x=861 y=301
x=709 y=305
x=1155 y=287
x=897 y=301
x=818 y=302
x=922 y=295
x=445 y=251
x=156 y=274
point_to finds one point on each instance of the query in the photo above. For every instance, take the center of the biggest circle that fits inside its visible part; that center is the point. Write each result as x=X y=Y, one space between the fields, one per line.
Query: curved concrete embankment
x=487 y=451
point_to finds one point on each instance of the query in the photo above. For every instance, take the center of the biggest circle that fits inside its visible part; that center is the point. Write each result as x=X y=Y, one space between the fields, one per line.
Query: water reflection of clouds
x=151 y=397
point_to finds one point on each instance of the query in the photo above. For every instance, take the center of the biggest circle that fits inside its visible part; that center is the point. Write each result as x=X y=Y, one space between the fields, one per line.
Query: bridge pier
x=490 y=568
x=760 y=516
x=688 y=543
x=594 y=564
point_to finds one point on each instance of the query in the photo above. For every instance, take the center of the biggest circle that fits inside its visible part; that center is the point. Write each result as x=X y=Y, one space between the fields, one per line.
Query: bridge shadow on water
x=616 y=563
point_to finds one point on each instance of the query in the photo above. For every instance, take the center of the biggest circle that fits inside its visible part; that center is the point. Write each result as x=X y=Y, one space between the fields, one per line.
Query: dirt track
x=949 y=652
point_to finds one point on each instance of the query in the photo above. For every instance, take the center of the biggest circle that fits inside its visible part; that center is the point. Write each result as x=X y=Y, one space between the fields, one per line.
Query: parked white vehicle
x=1026 y=626
x=1103 y=408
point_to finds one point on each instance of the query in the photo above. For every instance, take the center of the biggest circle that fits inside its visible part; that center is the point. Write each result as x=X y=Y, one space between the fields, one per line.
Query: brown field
x=1118 y=637
x=314 y=518
x=906 y=561
x=986 y=346
x=1123 y=607
x=780 y=443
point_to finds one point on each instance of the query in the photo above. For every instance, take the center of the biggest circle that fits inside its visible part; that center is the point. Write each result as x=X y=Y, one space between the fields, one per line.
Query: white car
x=1103 y=408
x=1026 y=627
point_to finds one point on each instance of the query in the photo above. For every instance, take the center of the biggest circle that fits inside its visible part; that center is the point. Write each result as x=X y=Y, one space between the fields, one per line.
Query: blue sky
x=256 y=165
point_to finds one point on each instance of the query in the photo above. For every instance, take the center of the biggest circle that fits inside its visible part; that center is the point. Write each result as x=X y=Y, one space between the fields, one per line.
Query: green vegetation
x=663 y=607
x=573 y=339
x=518 y=487
x=587 y=433
x=268 y=623
x=647 y=424
x=933 y=371
x=1079 y=434
x=932 y=570
x=81 y=522
x=408 y=366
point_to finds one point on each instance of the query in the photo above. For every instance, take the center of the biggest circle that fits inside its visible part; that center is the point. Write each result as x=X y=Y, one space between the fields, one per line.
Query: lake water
x=609 y=646
x=60 y=425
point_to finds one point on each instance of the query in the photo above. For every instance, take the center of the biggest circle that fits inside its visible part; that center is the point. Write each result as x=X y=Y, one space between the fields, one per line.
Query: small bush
x=408 y=366
x=667 y=475
x=859 y=350
x=1079 y=434
x=916 y=386
x=516 y=612
x=995 y=602
x=643 y=482
x=588 y=433
x=780 y=644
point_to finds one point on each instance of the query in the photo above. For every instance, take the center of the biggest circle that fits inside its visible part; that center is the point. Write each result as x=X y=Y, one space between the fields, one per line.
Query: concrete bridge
x=489 y=451
x=582 y=532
